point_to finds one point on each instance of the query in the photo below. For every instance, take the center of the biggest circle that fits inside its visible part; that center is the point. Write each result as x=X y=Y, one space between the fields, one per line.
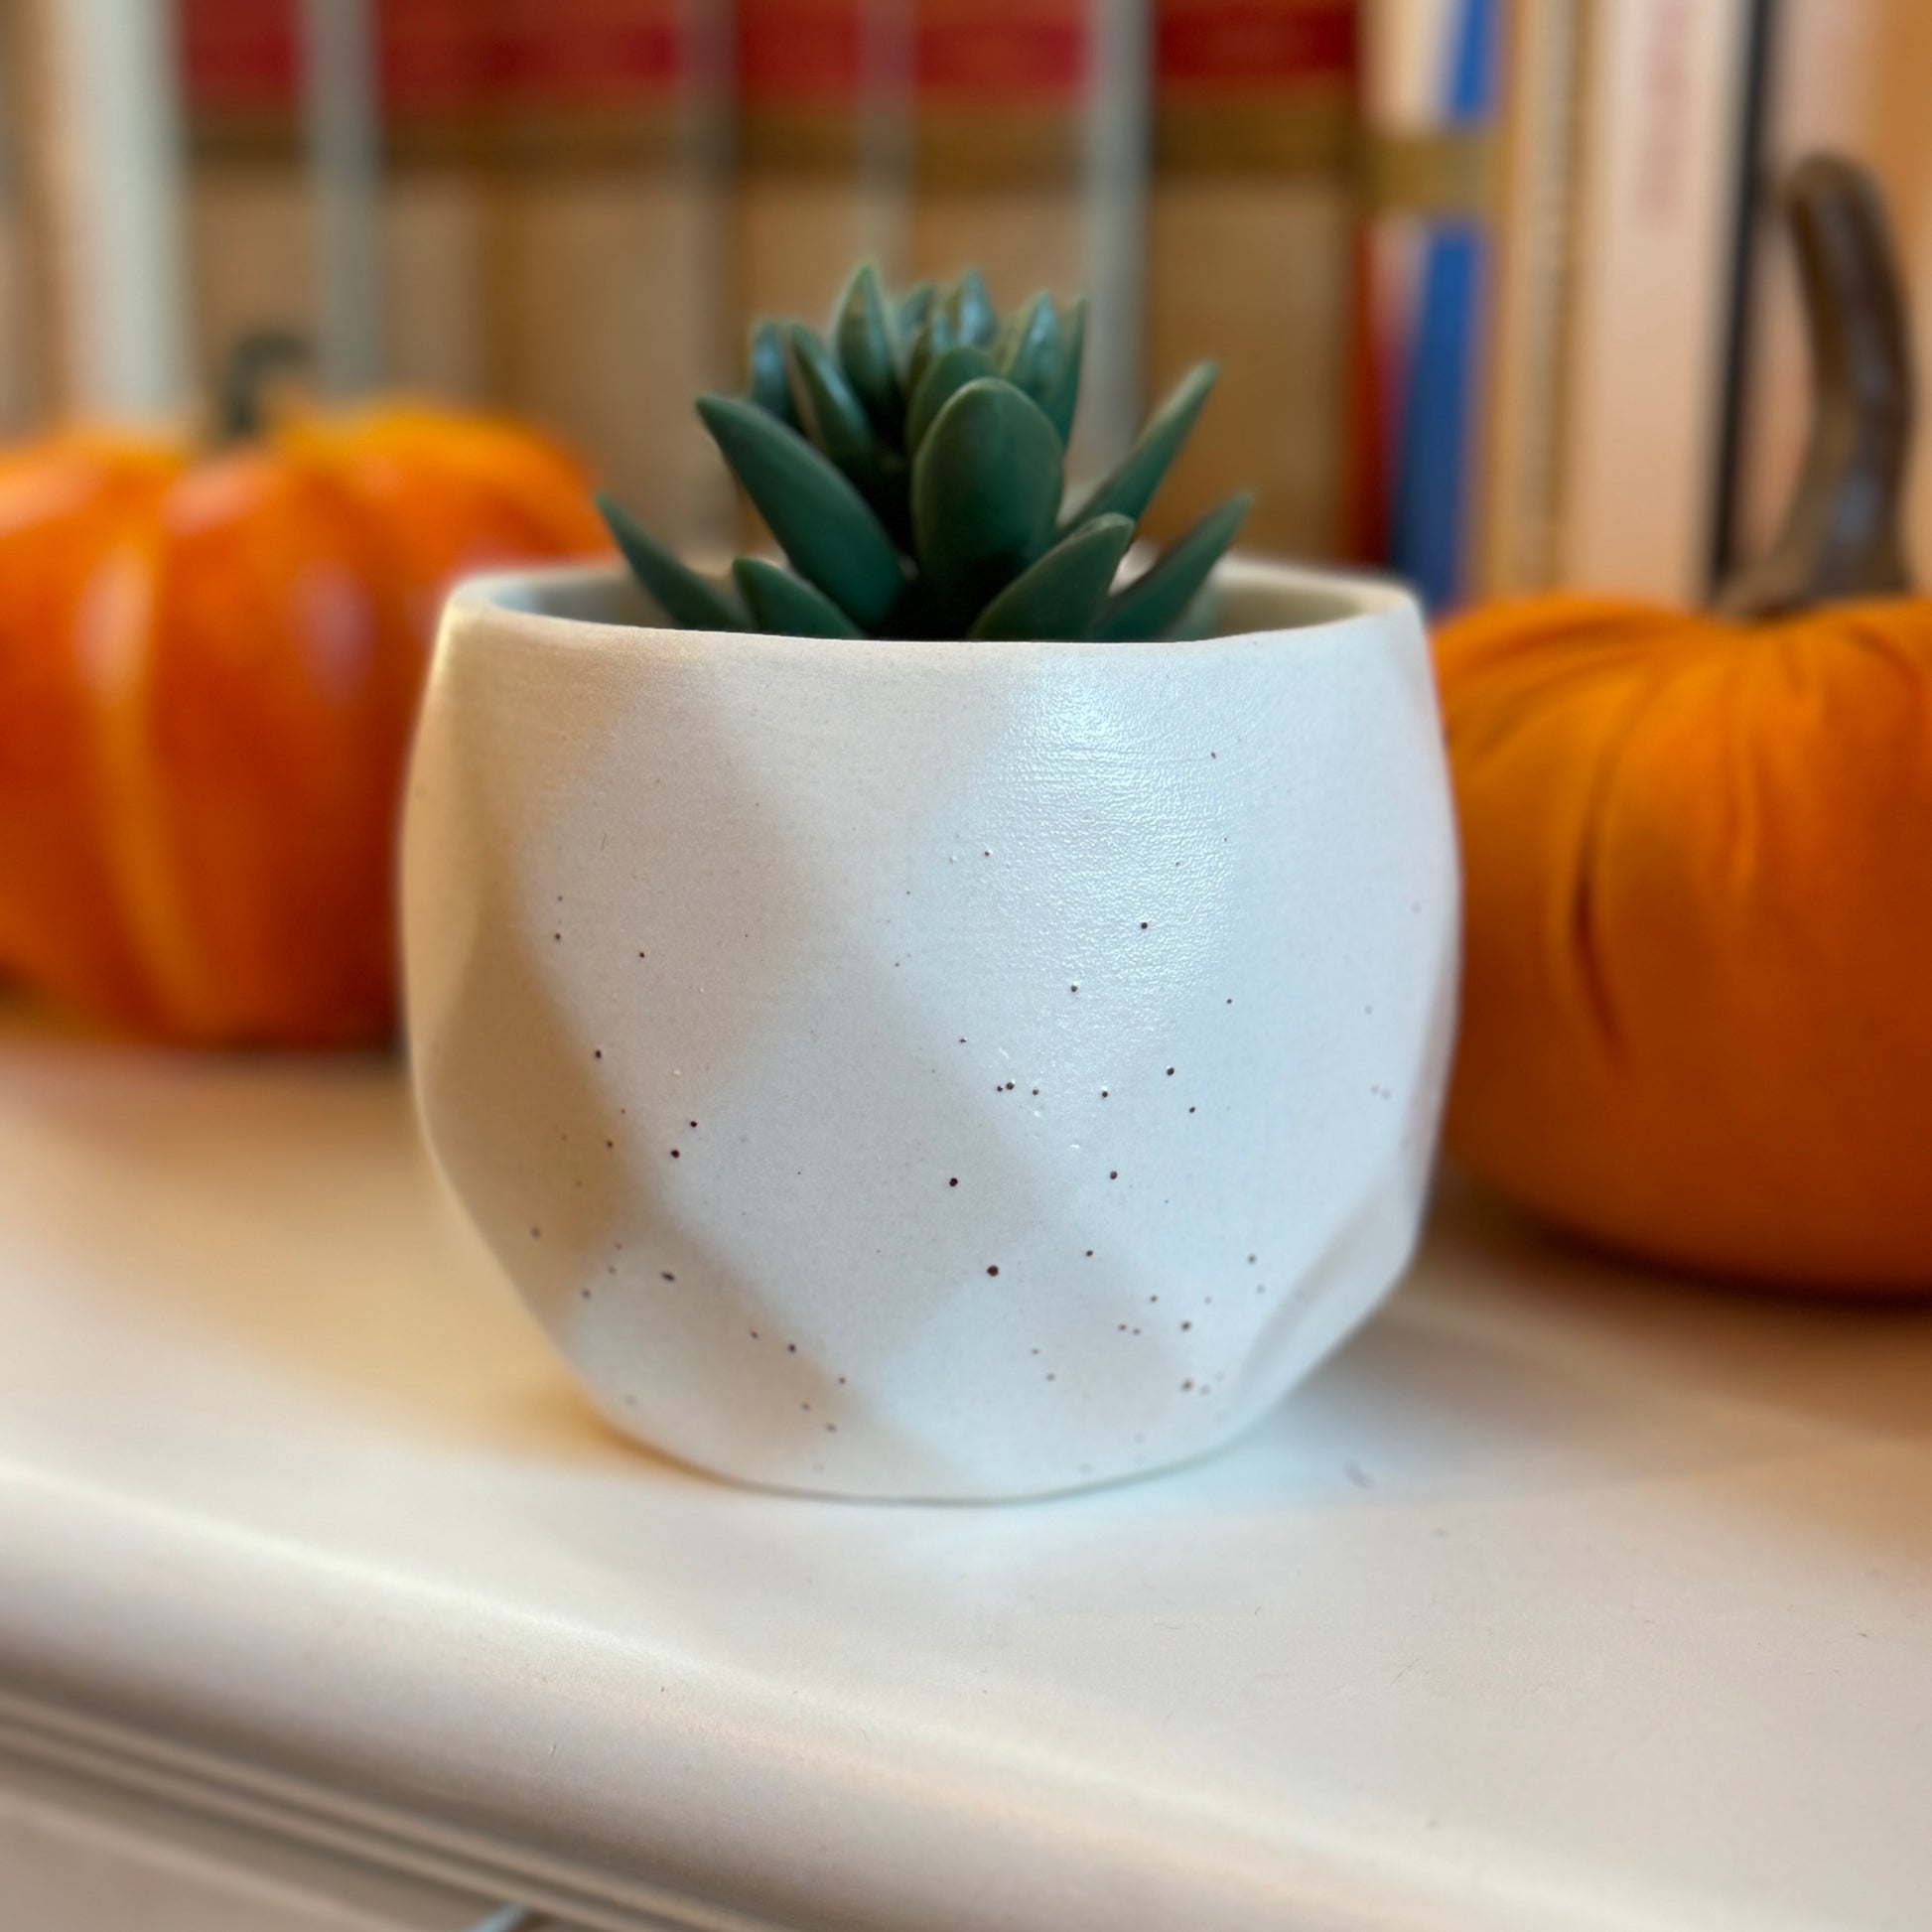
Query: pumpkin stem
x=1842 y=534
x=241 y=414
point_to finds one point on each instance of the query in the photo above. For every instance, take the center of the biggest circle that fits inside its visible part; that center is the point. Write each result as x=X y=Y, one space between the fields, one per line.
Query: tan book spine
x=252 y=243
x=20 y=393
x=1521 y=524
x=1025 y=169
x=821 y=181
x=433 y=61
x=998 y=89
x=1250 y=256
x=605 y=231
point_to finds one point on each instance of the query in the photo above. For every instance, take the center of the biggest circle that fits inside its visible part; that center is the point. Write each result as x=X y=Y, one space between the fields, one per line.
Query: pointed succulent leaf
x=785 y=605
x=945 y=375
x=1151 y=605
x=1130 y=487
x=1061 y=397
x=829 y=414
x=1031 y=352
x=913 y=308
x=695 y=603
x=865 y=336
x=937 y=334
x=971 y=312
x=821 y=522
x=986 y=483
x=771 y=384
x=1060 y=595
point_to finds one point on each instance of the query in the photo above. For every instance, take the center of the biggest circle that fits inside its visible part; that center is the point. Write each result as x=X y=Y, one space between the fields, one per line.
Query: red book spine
x=821 y=86
x=1250 y=224
x=986 y=55
x=1001 y=90
x=242 y=76
x=251 y=230
x=607 y=237
x=583 y=78
x=797 y=57
x=433 y=78
x=1224 y=48
x=434 y=94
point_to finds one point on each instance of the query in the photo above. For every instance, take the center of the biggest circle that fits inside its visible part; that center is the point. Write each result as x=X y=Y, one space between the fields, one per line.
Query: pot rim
x=1344 y=598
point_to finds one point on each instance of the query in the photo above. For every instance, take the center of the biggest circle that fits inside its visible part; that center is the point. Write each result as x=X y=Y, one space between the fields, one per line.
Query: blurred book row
x=1492 y=282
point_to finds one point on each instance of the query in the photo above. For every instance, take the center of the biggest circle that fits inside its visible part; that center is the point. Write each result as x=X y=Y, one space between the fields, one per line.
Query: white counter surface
x=1562 y=1601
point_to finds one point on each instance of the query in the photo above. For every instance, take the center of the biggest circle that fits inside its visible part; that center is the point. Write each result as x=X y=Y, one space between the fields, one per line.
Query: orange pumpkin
x=1698 y=991
x=209 y=669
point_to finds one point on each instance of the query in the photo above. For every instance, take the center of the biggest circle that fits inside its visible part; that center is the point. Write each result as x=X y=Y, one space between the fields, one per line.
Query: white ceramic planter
x=934 y=1069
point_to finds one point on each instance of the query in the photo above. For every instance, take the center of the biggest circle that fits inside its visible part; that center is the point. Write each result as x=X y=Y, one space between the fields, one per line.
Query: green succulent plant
x=910 y=464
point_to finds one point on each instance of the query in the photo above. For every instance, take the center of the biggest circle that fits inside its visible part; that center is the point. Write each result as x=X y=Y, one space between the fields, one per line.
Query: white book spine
x=1658 y=199
x=110 y=155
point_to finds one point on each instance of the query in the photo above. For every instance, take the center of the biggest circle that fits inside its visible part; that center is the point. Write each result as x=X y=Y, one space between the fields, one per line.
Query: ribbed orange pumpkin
x=1697 y=992
x=208 y=670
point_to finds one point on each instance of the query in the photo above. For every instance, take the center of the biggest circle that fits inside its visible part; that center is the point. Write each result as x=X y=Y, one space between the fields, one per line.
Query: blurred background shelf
x=1495 y=283
x=1507 y=1623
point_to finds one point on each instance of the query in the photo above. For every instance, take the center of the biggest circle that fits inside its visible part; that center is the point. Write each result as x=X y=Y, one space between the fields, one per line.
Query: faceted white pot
x=949 y=1070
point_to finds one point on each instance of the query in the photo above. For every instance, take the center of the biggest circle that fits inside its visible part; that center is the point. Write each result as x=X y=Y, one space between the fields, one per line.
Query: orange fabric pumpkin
x=209 y=671
x=1698 y=989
